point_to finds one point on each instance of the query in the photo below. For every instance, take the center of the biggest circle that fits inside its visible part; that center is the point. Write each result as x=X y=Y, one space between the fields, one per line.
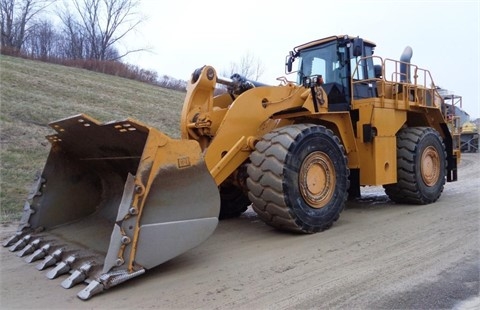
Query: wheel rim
x=317 y=179
x=430 y=166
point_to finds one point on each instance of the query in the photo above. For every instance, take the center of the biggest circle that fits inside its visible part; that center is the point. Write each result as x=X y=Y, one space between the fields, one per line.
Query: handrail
x=419 y=90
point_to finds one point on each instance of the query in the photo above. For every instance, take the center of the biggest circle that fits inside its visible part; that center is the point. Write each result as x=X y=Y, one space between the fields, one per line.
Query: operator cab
x=334 y=60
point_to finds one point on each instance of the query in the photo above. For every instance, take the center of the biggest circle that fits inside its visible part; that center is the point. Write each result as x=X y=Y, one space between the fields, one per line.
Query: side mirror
x=289 y=63
x=357 y=47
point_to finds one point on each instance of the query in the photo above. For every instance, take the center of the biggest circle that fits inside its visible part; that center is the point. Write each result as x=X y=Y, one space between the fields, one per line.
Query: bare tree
x=104 y=23
x=6 y=22
x=249 y=66
x=16 y=17
x=74 y=39
x=41 y=41
x=171 y=83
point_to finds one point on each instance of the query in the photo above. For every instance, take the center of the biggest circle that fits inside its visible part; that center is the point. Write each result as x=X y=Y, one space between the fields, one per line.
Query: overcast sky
x=186 y=34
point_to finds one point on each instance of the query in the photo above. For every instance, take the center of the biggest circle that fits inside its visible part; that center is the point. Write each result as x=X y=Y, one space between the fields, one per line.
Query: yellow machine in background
x=469 y=138
x=119 y=198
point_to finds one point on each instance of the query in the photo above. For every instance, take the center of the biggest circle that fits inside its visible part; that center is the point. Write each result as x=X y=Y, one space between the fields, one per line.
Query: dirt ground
x=378 y=255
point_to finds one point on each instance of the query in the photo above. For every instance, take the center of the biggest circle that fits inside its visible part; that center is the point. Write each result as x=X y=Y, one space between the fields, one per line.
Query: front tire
x=234 y=202
x=298 y=178
x=421 y=167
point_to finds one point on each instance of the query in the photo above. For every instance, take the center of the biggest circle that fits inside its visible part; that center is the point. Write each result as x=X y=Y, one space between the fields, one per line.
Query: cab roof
x=326 y=40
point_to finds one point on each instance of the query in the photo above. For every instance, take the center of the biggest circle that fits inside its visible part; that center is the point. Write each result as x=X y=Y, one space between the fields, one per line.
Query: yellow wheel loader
x=116 y=199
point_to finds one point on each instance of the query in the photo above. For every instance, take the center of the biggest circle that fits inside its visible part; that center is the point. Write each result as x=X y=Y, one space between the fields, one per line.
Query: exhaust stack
x=405 y=65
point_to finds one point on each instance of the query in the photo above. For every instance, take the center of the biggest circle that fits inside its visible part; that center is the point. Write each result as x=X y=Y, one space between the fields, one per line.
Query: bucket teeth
x=11 y=241
x=20 y=244
x=50 y=260
x=93 y=288
x=30 y=248
x=62 y=268
x=78 y=275
x=39 y=253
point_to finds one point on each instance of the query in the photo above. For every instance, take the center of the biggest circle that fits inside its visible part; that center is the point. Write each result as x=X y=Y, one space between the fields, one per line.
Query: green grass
x=33 y=94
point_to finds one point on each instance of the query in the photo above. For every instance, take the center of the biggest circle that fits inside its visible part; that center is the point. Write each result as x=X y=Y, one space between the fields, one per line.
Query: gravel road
x=377 y=256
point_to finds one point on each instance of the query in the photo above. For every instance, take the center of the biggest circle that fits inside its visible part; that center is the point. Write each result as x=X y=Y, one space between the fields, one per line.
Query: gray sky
x=186 y=34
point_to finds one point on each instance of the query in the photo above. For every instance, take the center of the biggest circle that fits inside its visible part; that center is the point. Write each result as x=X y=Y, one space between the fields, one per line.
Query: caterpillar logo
x=184 y=162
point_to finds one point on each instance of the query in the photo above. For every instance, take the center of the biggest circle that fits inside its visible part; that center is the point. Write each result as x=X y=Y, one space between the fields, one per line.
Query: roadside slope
x=33 y=94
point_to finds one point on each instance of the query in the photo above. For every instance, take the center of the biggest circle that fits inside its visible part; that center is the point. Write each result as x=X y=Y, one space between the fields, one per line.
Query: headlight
x=307 y=82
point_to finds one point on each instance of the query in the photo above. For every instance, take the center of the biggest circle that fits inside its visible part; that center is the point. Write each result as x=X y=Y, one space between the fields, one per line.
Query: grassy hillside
x=32 y=94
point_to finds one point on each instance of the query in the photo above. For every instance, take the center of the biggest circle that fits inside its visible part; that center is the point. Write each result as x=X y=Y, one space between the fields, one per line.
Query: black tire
x=233 y=202
x=298 y=178
x=421 y=167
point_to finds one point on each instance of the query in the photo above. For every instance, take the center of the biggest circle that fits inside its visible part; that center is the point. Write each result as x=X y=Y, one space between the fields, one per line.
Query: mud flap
x=113 y=201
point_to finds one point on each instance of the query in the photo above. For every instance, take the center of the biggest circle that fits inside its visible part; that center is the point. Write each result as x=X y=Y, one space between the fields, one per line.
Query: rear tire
x=298 y=178
x=421 y=167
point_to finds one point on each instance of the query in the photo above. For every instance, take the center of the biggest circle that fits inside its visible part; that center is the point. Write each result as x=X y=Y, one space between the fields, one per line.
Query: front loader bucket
x=114 y=200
